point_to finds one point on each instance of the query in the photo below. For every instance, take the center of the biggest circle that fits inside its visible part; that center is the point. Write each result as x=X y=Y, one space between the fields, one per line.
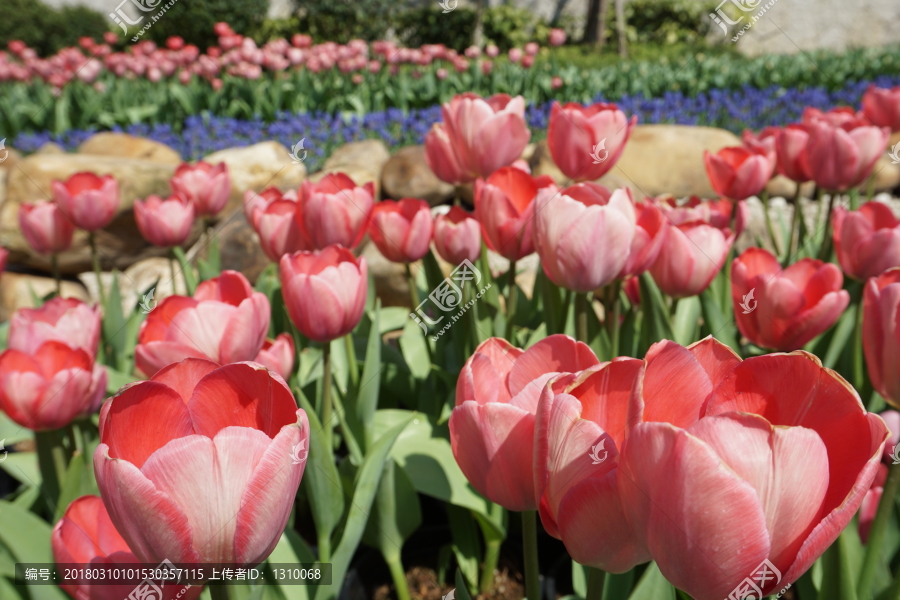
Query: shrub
x=429 y=25
x=343 y=20
x=47 y=29
x=193 y=20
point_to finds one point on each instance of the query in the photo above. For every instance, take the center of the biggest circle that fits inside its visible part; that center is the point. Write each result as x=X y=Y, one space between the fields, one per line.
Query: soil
x=423 y=585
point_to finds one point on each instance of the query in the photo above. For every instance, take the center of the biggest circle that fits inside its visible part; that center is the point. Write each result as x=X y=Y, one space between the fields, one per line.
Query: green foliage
x=664 y=21
x=48 y=29
x=193 y=20
x=343 y=20
x=429 y=25
x=509 y=27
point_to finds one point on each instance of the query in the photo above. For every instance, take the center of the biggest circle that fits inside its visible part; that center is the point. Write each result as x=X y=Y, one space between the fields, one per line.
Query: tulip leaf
x=465 y=545
x=116 y=380
x=340 y=364
x=8 y=592
x=841 y=562
x=617 y=586
x=841 y=334
x=552 y=308
x=461 y=591
x=579 y=579
x=685 y=323
x=391 y=318
x=114 y=327
x=653 y=586
x=719 y=326
x=395 y=515
x=363 y=411
x=414 y=349
x=79 y=481
x=28 y=539
x=656 y=325
x=292 y=549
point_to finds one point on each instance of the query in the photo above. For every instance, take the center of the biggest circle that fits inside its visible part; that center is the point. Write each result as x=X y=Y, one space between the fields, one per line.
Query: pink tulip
x=263 y=199
x=738 y=172
x=492 y=51
x=225 y=321
x=650 y=233
x=88 y=200
x=839 y=158
x=557 y=37
x=279 y=230
x=492 y=426
x=482 y=134
x=44 y=226
x=206 y=186
x=764 y=143
x=579 y=432
x=401 y=230
x=457 y=236
x=228 y=434
x=882 y=106
x=790 y=147
x=583 y=234
x=586 y=142
x=324 y=291
x=65 y=320
x=48 y=388
x=892 y=420
x=867 y=241
x=504 y=205
x=164 y=223
x=515 y=55
x=869 y=506
x=791 y=306
x=881 y=334
x=278 y=355
x=335 y=210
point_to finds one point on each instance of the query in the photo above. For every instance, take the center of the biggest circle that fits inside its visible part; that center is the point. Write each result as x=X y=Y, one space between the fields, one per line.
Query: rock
x=782 y=187
x=360 y=175
x=541 y=163
x=367 y=154
x=9 y=157
x=136 y=282
x=108 y=143
x=256 y=167
x=51 y=148
x=407 y=175
x=895 y=139
x=17 y=290
x=239 y=248
x=887 y=175
x=391 y=284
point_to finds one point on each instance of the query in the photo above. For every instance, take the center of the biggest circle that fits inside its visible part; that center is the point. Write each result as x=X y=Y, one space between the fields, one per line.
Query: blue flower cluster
x=734 y=110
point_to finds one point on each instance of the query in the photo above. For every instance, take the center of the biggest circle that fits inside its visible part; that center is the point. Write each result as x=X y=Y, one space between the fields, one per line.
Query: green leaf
x=841 y=563
x=719 y=326
x=617 y=586
x=579 y=579
x=79 y=481
x=116 y=380
x=656 y=325
x=415 y=351
x=114 y=325
x=363 y=409
x=461 y=591
x=396 y=513
x=28 y=539
x=686 y=321
x=843 y=332
x=466 y=545
x=187 y=271
x=653 y=586
x=340 y=365
x=292 y=549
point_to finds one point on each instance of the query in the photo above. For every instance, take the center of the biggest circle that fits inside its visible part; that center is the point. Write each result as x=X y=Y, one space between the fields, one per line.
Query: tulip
x=324 y=291
x=335 y=210
x=764 y=143
x=220 y=469
x=504 y=205
x=881 y=335
x=4 y=255
x=586 y=142
x=164 y=223
x=44 y=226
x=650 y=232
x=583 y=234
x=867 y=241
x=65 y=320
x=88 y=200
x=225 y=321
x=839 y=158
x=869 y=506
x=738 y=172
x=206 y=186
x=264 y=199
x=457 y=236
x=791 y=306
x=492 y=425
x=47 y=388
x=727 y=464
x=718 y=213
x=482 y=134
x=892 y=420
x=790 y=149
x=882 y=106
x=278 y=229
x=579 y=431
x=840 y=116
x=401 y=230
x=278 y=355
x=557 y=37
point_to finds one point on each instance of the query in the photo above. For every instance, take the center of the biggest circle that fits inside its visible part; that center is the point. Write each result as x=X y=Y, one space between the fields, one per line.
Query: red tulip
x=401 y=230
x=583 y=234
x=88 y=200
x=557 y=37
x=841 y=116
x=457 y=236
x=278 y=355
x=164 y=223
x=764 y=143
x=882 y=106
x=727 y=464
x=65 y=320
x=718 y=213
x=218 y=463
x=335 y=210
x=869 y=506
x=47 y=388
x=324 y=291
x=278 y=229
x=492 y=426
x=225 y=321
x=738 y=172
x=790 y=147
x=839 y=158
x=504 y=205
x=44 y=226
x=264 y=199
x=867 y=241
x=791 y=306
x=586 y=142
x=881 y=334
x=207 y=187
x=579 y=431
x=482 y=134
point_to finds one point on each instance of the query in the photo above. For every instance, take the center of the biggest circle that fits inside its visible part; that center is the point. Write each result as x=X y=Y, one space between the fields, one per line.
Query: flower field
x=498 y=328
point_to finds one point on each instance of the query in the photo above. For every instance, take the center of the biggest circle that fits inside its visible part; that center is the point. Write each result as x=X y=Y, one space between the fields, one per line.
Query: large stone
x=391 y=283
x=142 y=285
x=18 y=290
x=109 y=143
x=407 y=175
x=256 y=167
x=9 y=157
x=782 y=187
x=239 y=248
x=887 y=174
x=120 y=243
x=50 y=148
x=367 y=154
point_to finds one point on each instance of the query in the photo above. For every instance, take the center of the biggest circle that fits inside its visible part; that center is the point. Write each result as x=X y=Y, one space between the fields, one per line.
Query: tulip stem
x=54 y=262
x=218 y=591
x=399 y=576
x=95 y=259
x=795 y=227
x=530 y=551
x=351 y=359
x=172 y=267
x=596 y=580
x=491 y=556
x=326 y=395
x=53 y=462
x=615 y=308
x=581 y=317
x=413 y=288
x=877 y=533
x=764 y=196
x=825 y=249
x=510 y=300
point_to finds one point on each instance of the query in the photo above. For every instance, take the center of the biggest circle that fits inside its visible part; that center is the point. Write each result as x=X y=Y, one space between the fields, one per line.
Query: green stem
x=795 y=227
x=596 y=579
x=399 y=576
x=877 y=533
x=854 y=198
x=95 y=259
x=510 y=299
x=471 y=317
x=581 y=317
x=54 y=262
x=529 y=544
x=491 y=556
x=613 y=321
x=894 y=594
x=870 y=188
x=325 y=547
x=825 y=249
x=218 y=591
x=53 y=461
x=859 y=369
x=351 y=359
x=764 y=196
x=172 y=267
x=326 y=395
x=413 y=289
